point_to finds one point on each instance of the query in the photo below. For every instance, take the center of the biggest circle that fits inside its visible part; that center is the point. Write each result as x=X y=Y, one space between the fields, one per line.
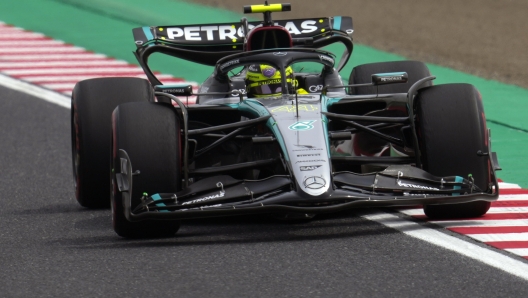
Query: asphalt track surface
x=52 y=247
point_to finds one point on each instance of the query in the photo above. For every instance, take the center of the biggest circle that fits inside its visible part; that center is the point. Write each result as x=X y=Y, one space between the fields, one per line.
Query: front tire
x=91 y=112
x=150 y=134
x=451 y=129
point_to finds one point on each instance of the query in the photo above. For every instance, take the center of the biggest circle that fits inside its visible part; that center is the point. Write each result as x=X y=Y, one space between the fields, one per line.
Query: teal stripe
x=157 y=197
x=337 y=23
x=325 y=103
x=458 y=179
x=172 y=86
x=148 y=33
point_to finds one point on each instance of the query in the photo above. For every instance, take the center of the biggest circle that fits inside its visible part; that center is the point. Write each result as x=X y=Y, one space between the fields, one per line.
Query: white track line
x=21 y=35
x=481 y=223
x=112 y=70
x=487 y=256
x=35 y=43
x=493 y=210
x=47 y=57
x=518 y=251
x=96 y=62
x=513 y=197
x=499 y=237
x=508 y=185
x=39 y=92
x=31 y=50
x=75 y=79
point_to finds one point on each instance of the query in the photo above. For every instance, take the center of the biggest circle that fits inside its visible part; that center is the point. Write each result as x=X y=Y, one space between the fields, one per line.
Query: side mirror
x=389 y=78
x=176 y=90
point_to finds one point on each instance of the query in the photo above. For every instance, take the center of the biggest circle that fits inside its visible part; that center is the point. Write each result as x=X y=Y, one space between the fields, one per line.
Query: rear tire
x=451 y=129
x=92 y=104
x=150 y=134
x=361 y=74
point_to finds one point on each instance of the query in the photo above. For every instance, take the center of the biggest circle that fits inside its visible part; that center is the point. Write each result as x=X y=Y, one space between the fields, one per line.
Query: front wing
x=225 y=196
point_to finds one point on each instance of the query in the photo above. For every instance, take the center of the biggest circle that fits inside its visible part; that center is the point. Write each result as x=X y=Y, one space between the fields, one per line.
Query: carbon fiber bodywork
x=311 y=183
x=284 y=155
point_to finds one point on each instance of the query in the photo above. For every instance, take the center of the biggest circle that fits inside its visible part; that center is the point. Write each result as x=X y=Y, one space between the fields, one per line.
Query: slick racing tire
x=91 y=113
x=362 y=74
x=150 y=134
x=451 y=128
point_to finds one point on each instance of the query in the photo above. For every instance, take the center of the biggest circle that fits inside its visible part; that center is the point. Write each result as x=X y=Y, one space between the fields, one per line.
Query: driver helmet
x=265 y=81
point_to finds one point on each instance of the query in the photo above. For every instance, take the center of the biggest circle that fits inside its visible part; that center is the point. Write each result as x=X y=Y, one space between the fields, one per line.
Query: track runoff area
x=48 y=69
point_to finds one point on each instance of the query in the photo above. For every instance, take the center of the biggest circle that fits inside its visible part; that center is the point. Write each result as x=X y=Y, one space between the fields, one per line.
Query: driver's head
x=263 y=80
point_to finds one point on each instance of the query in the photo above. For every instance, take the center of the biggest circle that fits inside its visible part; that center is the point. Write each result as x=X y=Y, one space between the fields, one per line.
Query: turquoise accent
x=302 y=125
x=157 y=197
x=325 y=103
x=459 y=180
x=232 y=105
x=337 y=23
x=330 y=102
x=172 y=86
x=391 y=74
x=148 y=34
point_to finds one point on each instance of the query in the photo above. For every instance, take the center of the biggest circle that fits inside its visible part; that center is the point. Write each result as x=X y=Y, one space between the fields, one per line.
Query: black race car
x=314 y=144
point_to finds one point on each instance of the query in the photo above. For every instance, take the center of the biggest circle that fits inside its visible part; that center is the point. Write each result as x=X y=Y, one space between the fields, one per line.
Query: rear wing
x=232 y=34
x=207 y=43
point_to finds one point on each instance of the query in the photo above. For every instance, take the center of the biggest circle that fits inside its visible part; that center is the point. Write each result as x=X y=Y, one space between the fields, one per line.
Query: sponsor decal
x=229 y=32
x=280 y=53
x=291 y=108
x=219 y=195
x=309 y=149
x=229 y=63
x=388 y=79
x=267 y=82
x=211 y=206
x=242 y=91
x=313 y=154
x=415 y=186
x=312 y=160
x=302 y=125
x=174 y=90
x=407 y=194
x=202 y=207
x=305 y=146
x=309 y=168
x=199 y=33
x=314 y=182
x=306 y=26
x=315 y=88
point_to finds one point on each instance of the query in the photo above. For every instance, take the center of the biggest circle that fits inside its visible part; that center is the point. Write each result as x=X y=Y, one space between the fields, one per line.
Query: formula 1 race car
x=294 y=142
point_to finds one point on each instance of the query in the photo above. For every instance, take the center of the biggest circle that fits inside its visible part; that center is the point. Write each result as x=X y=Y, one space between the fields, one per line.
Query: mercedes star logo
x=314 y=182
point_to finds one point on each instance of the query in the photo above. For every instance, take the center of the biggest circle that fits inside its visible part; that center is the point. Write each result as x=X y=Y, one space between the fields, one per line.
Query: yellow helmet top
x=264 y=80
